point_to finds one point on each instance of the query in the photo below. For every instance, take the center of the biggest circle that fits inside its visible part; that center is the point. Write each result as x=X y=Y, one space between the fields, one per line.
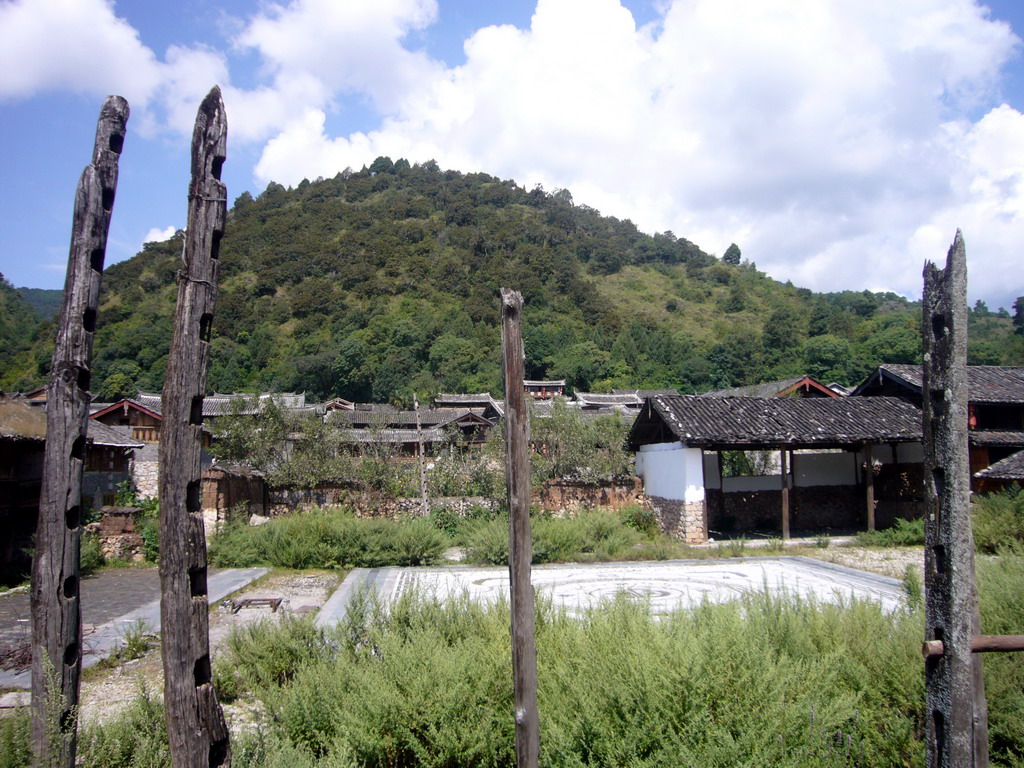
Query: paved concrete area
x=113 y=602
x=666 y=585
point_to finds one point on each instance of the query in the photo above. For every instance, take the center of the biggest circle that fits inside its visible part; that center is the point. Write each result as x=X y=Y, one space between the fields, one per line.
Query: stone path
x=666 y=585
x=113 y=600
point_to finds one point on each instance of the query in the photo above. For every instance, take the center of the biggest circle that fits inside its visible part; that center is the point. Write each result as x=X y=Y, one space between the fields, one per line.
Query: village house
x=995 y=407
x=844 y=463
x=108 y=454
x=797 y=386
x=381 y=423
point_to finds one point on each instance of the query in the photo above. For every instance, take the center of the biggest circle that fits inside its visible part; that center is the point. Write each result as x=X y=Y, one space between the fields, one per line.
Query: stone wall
x=566 y=496
x=119 y=538
x=683 y=520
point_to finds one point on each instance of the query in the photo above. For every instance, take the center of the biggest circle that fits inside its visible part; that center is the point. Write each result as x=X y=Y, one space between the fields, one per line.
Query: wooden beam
x=956 y=713
x=869 y=486
x=517 y=480
x=783 y=460
x=56 y=617
x=196 y=729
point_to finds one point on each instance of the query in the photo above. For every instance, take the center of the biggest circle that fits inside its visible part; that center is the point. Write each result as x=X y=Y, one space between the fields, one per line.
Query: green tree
x=1018 y=315
x=732 y=255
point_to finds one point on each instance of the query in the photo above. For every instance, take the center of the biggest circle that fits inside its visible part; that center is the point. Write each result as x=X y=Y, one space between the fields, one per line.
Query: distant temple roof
x=798 y=386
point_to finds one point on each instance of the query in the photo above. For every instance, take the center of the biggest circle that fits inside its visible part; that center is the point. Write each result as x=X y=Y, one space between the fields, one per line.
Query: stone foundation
x=682 y=520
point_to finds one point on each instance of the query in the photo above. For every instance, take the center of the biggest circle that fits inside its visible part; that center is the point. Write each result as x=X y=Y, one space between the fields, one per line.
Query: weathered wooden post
x=424 y=504
x=869 y=485
x=196 y=729
x=957 y=717
x=520 y=551
x=784 y=463
x=56 y=619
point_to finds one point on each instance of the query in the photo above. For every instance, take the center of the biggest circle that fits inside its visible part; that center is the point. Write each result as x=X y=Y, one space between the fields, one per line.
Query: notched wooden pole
x=517 y=480
x=196 y=728
x=957 y=716
x=56 y=620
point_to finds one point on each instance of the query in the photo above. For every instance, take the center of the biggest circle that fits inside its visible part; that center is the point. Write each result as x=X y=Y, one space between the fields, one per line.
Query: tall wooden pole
x=196 y=729
x=56 y=619
x=520 y=550
x=957 y=716
x=424 y=505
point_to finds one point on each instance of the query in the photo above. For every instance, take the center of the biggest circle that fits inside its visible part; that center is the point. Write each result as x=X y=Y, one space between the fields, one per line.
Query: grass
x=763 y=681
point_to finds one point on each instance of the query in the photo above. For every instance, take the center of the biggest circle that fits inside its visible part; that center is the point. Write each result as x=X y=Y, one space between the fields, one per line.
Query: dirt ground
x=887 y=561
x=107 y=690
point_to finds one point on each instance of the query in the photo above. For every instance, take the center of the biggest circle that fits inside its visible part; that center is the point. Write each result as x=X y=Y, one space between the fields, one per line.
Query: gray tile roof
x=594 y=399
x=985 y=383
x=772 y=388
x=1010 y=468
x=114 y=437
x=1006 y=437
x=765 y=422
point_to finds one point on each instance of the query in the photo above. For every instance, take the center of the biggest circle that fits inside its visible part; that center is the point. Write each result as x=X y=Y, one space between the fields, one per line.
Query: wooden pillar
x=56 y=616
x=956 y=713
x=517 y=480
x=869 y=486
x=721 y=489
x=424 y=505
x=196 y=729
x=783 y=460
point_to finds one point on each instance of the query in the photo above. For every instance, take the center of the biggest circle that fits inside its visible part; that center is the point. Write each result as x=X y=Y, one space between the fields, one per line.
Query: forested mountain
x=19 y=327
x=45 y=302
x=383 y=281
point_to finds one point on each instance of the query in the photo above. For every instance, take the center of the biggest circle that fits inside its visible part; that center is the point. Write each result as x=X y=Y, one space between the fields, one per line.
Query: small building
x=482 y=403
x=844 y=463
x=798 y=386
x=385 y=424
x=544 y=390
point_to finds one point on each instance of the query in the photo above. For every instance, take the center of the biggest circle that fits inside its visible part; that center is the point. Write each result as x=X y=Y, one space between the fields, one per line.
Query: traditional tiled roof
x=431 y=435
x=776 y=389
x=113 y=437
x=551 y=384
x=991 y=437
x=236 y=403
x=439 y=417
x=595 y=400
x=985 y=383
x=1010 y=468
x=765 y=422
x=21 y=421
x=643 y=394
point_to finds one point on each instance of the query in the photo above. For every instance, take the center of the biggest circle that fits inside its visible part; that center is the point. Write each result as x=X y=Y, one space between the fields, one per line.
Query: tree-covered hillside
x=379 y=282
x=19 y=328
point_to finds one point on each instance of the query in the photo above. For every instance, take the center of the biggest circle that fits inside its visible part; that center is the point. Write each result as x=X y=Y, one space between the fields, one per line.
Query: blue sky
x=839 y=144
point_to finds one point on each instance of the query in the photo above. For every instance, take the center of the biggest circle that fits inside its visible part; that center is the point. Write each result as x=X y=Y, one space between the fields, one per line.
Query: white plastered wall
x=671 y=471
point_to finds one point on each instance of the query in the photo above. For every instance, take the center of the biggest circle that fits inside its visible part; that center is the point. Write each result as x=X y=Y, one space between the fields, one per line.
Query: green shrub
x=16 y=739
x=998 y=520
x=641 y=519
x=762 y=681
x=1002 y=613
x=332 y=539
x=92 y=557
x=136 y=738
x=903 y=533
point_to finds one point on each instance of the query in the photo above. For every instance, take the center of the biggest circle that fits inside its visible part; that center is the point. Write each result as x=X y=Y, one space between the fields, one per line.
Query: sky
x=840 y=144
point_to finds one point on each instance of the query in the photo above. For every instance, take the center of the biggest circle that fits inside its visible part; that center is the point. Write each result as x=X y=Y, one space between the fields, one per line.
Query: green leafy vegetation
x=903 y=533
x=384 y=281
x=998 y=521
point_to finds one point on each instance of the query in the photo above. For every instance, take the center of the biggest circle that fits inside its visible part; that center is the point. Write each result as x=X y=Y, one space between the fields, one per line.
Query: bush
x=904 y=533
x=327 y=540
x=92 y=557
x=762 y=681
x=137 y=738
x=998 y=520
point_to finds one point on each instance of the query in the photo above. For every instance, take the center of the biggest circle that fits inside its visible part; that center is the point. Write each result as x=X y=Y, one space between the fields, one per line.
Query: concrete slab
x=666 y=585
x=104 y=639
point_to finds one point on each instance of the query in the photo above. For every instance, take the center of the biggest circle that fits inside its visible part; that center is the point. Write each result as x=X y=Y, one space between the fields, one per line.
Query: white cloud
x=830 y=139
x=155 y=235
x=78 y=45
x=837 y=142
